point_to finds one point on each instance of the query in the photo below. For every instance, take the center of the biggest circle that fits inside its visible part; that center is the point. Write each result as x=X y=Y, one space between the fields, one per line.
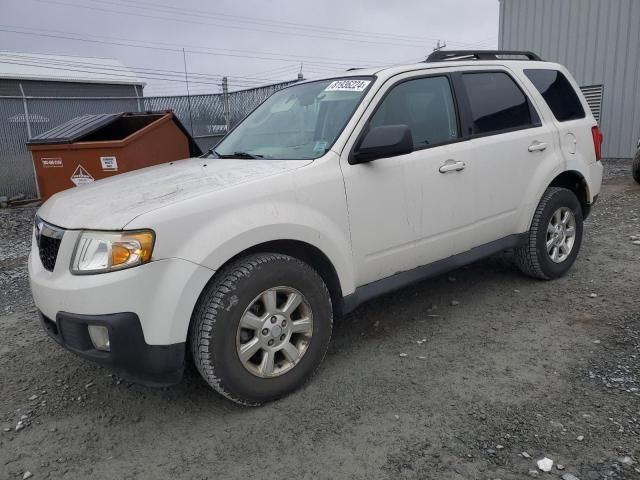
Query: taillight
x=597 y=141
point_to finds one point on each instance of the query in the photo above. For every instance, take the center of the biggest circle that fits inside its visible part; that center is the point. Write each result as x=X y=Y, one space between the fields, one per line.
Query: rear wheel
x=261 y=328
x=554 y=237
x=635 y=169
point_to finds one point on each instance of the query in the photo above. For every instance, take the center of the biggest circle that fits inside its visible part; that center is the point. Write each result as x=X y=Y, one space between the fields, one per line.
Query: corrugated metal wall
x=599 y=42
x=37 y=88
x=16 y=169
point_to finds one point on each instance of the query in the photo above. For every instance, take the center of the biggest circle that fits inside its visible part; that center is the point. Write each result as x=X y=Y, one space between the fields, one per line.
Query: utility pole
x=186 y=79
x=225 y=101
x=300 y=75
x=440 y=46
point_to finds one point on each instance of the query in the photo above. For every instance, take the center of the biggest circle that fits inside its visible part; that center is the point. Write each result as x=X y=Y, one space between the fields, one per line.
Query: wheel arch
x=311 y=255
x=308 y=253
x=577 y=183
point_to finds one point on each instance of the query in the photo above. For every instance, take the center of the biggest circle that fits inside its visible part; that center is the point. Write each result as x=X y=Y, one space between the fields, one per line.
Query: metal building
x=599 y=42
x=38 y=75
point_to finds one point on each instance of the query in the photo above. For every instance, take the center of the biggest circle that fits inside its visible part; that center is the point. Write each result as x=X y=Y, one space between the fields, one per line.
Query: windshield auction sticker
x=347 y=86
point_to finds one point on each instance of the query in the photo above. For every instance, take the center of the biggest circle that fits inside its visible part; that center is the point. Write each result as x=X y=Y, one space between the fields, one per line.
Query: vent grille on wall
x=593 y=94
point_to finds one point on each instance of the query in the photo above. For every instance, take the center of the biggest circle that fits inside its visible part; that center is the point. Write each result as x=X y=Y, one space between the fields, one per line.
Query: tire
x=635 y=169
x=533 y=258
x=243 y=290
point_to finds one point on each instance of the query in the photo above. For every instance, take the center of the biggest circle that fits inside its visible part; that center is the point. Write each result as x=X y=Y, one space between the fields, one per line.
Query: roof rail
x=453 y=55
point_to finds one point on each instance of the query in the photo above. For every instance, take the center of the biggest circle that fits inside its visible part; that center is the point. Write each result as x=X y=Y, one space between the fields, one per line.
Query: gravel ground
x=517 y=371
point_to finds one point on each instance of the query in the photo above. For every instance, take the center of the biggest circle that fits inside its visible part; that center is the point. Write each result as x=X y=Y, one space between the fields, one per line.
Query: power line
x=120 y=72
x=276 y=69
x=211 y=24
x=119 y=75
x=117 y=68
x=158 y=75
x=267 y=22
x=160 y=46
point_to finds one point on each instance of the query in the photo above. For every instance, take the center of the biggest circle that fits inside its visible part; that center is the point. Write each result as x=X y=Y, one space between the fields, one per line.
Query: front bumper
x=161 y=293
x=148 y=341
x=154 y=365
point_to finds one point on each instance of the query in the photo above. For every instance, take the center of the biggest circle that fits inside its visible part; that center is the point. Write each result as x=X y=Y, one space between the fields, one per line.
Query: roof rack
x=453 y=55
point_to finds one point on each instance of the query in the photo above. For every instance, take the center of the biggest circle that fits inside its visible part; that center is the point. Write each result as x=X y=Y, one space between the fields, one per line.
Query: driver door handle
x=537 y=146
x=452 y=166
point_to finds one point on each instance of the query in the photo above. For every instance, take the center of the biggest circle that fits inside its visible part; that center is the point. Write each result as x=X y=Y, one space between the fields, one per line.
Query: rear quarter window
x=496 y=103
x=558 y=93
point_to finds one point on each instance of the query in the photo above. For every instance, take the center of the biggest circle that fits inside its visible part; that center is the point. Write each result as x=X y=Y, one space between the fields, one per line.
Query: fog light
x=99 y=337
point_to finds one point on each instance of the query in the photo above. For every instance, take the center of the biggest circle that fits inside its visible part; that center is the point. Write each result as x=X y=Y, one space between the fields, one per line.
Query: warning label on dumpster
x=51 y=162
x=81 y=176
x=109 y=164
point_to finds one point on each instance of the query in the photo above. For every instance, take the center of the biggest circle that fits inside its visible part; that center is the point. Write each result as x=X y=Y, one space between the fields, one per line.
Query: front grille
x=49 y=251
x=48 y=238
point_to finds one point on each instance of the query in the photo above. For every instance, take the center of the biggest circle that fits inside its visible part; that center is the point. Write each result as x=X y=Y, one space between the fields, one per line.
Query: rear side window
x=497 y=104
x=426 y=106
x=558 y=93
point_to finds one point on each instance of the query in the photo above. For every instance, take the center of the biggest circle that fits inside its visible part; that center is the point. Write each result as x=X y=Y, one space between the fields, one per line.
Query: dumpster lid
x=69 y=132
x=81 y=127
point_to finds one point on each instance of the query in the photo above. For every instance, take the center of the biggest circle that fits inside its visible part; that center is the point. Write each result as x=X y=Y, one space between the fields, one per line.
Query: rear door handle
x=537 y=146
x=452 y=166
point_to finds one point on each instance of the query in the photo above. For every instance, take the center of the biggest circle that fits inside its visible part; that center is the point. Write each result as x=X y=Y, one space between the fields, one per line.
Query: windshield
x=299 y=122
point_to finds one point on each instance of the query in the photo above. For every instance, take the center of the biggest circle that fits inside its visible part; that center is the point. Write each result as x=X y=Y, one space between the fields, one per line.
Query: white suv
x=329 y=193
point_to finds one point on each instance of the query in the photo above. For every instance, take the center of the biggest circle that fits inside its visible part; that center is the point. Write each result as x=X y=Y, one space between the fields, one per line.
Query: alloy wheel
x=274 y=332
x=561 y=234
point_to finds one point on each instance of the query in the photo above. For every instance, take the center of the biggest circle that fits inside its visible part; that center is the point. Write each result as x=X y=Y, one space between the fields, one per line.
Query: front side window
x=558 y=93
x=425 y=105
x=497 y=104
x=296 y=123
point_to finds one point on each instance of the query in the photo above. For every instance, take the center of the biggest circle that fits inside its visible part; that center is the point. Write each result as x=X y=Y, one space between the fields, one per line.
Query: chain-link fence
x=24 y=117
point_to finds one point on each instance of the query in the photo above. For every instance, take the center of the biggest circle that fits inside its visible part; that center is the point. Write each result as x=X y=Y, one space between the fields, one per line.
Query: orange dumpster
x=91 y=147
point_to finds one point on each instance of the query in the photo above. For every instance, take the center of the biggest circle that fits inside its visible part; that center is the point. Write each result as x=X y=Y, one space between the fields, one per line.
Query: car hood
x=113 y=202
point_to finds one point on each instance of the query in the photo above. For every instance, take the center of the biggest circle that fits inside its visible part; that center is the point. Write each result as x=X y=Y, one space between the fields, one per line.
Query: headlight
x=98 y=252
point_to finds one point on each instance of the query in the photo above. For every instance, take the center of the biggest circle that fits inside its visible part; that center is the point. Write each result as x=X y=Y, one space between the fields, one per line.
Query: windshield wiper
x=241 y=155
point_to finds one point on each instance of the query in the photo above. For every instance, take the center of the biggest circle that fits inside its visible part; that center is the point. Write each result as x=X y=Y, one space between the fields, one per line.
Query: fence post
x=27 y=122
x=26 y=112
x=225 y=102
x=138 y=98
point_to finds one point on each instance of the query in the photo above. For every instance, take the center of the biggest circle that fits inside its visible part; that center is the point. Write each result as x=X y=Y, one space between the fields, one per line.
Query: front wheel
x=261 y=328
x=555 y=236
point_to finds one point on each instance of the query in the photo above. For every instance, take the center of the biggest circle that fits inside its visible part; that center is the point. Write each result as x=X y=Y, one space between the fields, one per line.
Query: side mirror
x=383 y=142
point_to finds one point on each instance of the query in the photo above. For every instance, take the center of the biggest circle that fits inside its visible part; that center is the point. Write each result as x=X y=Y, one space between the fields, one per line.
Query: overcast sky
x=250 y=41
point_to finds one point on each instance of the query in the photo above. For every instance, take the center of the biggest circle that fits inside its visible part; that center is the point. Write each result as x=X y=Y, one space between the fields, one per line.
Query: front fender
x=329 y=240
x=211 y=238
